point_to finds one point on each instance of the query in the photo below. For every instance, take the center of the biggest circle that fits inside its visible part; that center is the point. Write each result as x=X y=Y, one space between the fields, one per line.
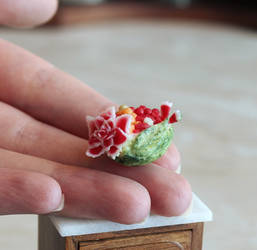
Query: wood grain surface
x=170 y=240
x=70 y=15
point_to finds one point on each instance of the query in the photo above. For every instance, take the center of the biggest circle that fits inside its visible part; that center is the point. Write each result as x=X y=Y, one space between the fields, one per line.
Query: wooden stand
x=186 y=237
x=157 y=232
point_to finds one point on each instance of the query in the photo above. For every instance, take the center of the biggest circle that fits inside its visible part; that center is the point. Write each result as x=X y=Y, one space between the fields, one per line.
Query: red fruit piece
x=147 y=111
x=156 y=112
x=146 y=125
x=140 y=118
x=155 y=116
x=158 y=120
x=138 y=126
x=140 y=110
x=141 y=126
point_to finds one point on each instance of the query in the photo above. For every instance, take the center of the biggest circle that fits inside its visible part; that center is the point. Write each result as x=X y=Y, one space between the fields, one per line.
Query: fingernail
x=61 y=206
x=178 y=170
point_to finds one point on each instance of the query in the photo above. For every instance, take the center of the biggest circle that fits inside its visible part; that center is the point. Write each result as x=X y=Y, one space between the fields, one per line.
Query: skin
x=24 y=14
x=43 y=139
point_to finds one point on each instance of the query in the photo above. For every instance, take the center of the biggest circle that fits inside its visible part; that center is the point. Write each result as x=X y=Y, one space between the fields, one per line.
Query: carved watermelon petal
x=91 y=124
x=108 y=143
x=93 y=141
x=119 y=137
x=99 y=121
x=114 y=152
x=124 y=122
x=95 y=152
x=109 y=114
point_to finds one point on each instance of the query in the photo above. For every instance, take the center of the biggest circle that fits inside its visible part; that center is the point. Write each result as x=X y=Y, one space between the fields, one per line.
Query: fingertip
x=26 y=15
x=136 y=207
x=25 y=192
x=174 y=194
x=178 y=198
x=129 y=204
x=49 y=198
x=183 y=196
x=171 y=159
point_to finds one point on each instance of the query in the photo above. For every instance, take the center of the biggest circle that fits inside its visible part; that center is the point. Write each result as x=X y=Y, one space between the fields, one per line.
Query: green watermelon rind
x=147 y=146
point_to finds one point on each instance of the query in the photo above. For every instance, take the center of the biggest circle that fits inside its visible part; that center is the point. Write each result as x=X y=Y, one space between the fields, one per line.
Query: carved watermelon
x=132 y=136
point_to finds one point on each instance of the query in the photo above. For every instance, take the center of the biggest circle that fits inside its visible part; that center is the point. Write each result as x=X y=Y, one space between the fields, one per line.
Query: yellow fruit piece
x=131 y=129
x=123 y=111
x=123 y=107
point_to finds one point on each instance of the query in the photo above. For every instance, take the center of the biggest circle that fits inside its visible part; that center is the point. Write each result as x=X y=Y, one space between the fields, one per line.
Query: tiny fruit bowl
x=132 y=136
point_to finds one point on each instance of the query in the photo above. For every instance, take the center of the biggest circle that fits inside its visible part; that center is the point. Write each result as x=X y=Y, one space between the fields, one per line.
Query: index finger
x=46 y=93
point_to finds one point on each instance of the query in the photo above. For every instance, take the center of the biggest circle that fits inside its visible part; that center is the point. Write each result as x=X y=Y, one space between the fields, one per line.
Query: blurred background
x=202 y=55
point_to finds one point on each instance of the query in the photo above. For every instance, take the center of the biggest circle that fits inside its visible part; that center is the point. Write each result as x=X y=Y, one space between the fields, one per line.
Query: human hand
x=43 y=138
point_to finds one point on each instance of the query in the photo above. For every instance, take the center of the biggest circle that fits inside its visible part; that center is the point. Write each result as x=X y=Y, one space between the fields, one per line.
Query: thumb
x=24 y=13
x=28 y=192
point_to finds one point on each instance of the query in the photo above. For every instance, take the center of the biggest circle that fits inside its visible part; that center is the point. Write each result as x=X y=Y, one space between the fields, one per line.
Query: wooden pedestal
x=186 y=237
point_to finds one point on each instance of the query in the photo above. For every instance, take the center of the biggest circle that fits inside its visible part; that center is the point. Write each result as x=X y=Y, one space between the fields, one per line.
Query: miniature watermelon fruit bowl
x=132 y=136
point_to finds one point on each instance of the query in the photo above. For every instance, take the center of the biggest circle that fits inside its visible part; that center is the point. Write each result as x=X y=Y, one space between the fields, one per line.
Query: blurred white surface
x=18 y=232
x=208 y=71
